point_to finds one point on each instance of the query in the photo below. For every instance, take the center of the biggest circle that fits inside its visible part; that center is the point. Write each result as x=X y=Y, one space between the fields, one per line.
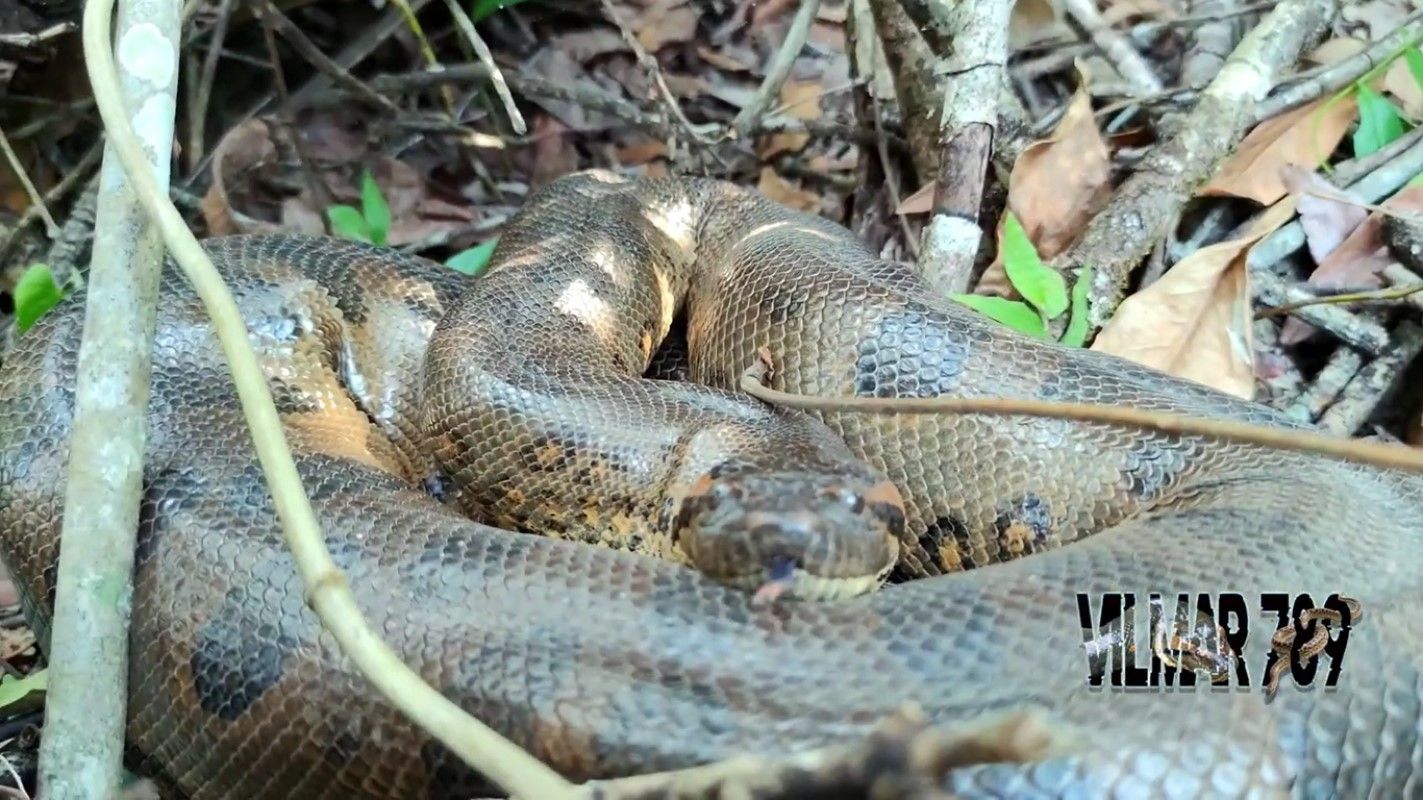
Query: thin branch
x=501 y=87
x=1298 y=441
x=81 y=751
x=1333 y=77
x=779 y=68
x=1114 y=47
x=36 y=201
x=323 y=62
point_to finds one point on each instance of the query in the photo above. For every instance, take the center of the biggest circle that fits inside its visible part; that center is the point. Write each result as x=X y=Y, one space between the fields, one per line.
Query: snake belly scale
x=389 y=369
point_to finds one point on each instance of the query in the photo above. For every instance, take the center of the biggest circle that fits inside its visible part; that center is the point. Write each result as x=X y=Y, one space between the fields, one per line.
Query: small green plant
x=473 y=261
x=1043 y=289
x=371 y=223
x=1380 y=123
x=35 y=294
x=18 y=695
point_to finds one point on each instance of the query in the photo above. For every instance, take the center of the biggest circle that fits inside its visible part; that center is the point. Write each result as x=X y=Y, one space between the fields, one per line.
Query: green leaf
x=1037 y=283
x=1379 y=123
x=347 y=221
x=1414 y=57
x=1076 y=333
x=16 y=694
x=374 y=209
x=1416 y=180
x=484 y=8
x=1016 y=315
x=35 y=294
x=475 y=259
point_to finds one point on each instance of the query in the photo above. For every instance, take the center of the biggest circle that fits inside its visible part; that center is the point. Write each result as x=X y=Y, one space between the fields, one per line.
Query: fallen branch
x=1148 y=203
x=779 y=68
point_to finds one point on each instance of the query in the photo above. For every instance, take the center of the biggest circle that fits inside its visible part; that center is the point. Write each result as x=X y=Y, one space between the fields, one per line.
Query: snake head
x=805 y=535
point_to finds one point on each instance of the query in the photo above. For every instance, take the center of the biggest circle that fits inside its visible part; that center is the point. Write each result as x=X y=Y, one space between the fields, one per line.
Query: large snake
x=519 y=396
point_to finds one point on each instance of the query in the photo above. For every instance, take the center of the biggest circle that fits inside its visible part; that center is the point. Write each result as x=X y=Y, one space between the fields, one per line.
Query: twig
x=966 y=128
x=1356 y=331
x=327 y=593
x=1298 y=441
x=779 y=69
x=323 y=62
x=1343 y=364
x=1399 y=275
x=197 y=110
x=649 y=65
x=1114 y=47
x=320 y=196
x=902 y=751
x=1332 y=78
x=36 y=201
x=81 y=752
x=1395 y=293
x=1368 y=388
x=862 y=32
x=1150 y=201
x=57 y=193
x=501 y=87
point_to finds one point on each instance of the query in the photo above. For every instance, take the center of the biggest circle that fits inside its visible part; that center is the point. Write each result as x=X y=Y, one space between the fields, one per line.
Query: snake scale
x=415 y=398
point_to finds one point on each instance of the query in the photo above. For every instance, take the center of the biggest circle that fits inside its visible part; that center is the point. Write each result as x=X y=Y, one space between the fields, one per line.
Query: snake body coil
x=521 y=389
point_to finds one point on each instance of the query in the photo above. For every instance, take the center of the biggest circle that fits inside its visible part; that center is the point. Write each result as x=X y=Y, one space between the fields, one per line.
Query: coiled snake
x=527 y=409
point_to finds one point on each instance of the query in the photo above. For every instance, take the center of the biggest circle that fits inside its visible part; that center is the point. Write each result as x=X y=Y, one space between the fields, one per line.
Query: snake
x=571 y=542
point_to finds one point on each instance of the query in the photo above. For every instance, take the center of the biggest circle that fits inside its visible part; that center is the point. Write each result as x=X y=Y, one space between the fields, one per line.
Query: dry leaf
x=1356 y=263
x=1057 y=185
x=1195 y=322
x=244 y=150
x=799 y=100
x=921 y=202
x=783 y=191
x=1119 y=11
x=1034 y=21
x=1403 y=87
x=666 y=22
x=1305 y=136
x=1326 y=213
x=1335 y=50
x=641 y=152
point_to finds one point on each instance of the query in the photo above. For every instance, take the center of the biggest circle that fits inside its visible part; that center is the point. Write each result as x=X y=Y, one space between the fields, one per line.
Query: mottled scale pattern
x=605 y=662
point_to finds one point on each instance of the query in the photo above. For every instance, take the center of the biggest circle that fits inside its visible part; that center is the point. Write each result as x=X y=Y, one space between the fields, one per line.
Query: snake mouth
x=793 y=535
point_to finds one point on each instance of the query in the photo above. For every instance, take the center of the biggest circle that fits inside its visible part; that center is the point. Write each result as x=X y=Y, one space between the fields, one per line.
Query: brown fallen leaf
x=1034 y=21
x=1195 y=322
x=1057 y=185
x=1357 y=262
x=1305 y=136
x=244 y=151
x=799 y=100
x=1327 y=213
x=665 y=22
x=920 y=202
x=781 y=190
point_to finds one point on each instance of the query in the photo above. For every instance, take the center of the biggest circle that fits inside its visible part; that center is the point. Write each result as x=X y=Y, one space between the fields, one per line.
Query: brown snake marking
x=606 y=663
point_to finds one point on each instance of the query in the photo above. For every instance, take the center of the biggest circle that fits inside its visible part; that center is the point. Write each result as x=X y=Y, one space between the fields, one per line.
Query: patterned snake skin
x=606 y=663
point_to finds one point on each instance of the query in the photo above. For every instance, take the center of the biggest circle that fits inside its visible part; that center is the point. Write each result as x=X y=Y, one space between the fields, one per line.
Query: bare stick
x=36 y=201
x=501 y=87
x=327 y=593
x=81 y=751
x=1299 y=441
x=197 y=111
x=1350 y=328
x=1149 y=202
x=974 y=80
x=779 y=68
x=1336 y=76
x=1368 y=388
x=1115 y=47
x=323 y=62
